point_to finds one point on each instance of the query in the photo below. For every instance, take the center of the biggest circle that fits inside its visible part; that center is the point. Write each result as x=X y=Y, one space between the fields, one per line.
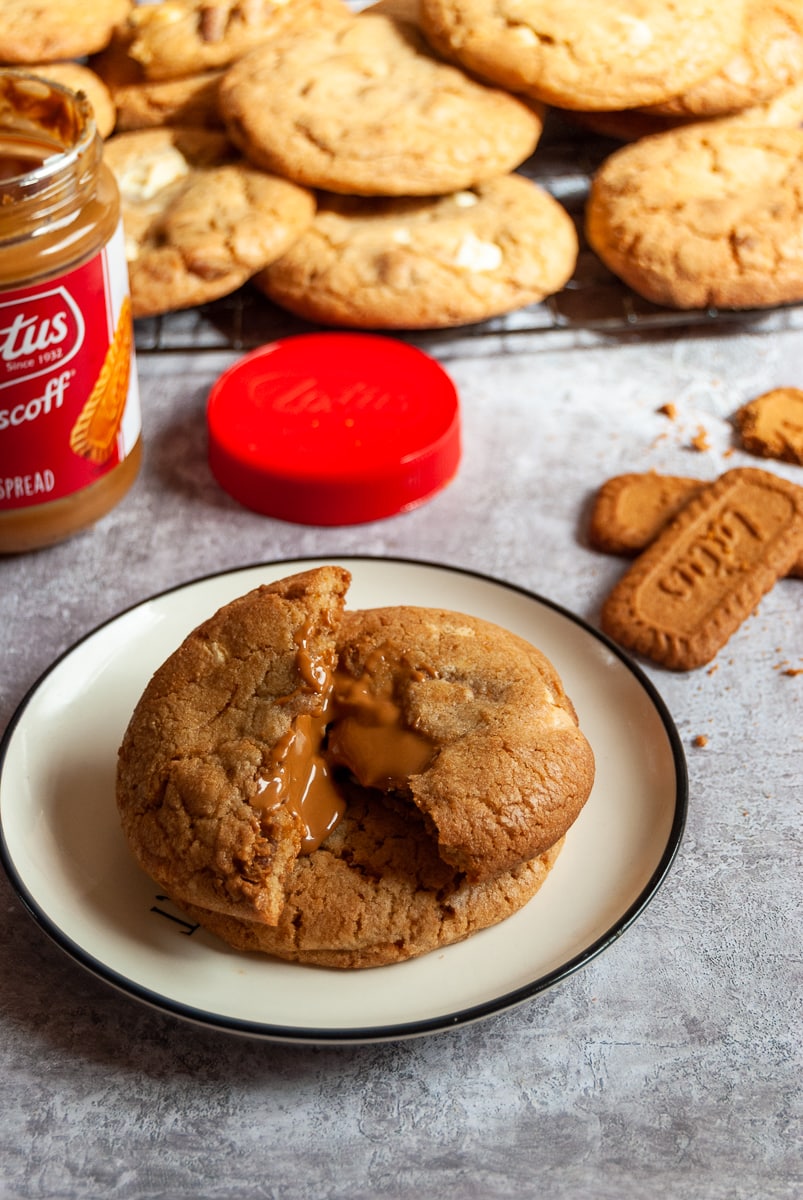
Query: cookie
x=772 y=425
x=188 y=37
x=297 y=766
x=587 y=55
x=376 y=894
x=629 y=511
x=79 y=78
x=198 y=220
x=769 y=60
x=428 y=263
x=362 y=106
x=143 y=103
x=199 y=752
x=707 y=570
x=472 y=692
x=51 y=29
x=708 y=215
x=785 y=110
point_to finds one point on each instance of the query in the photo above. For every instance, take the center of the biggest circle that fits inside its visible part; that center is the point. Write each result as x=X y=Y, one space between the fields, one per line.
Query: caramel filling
x=360 y=726
x=368 y=734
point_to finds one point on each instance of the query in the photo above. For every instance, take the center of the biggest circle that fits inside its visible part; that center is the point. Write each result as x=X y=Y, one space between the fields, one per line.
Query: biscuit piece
x=198 y=220
x=186 y=37
x=501 y=768
x=201 y=742
x=426 y=263
x=46 y=30
x=362 y=106
x=79 y=78
x=701 y=216
x=769 y=61
x=705 y=573
x=630 y=510
x=587 y=55
x=377 y=893
x=772 y=425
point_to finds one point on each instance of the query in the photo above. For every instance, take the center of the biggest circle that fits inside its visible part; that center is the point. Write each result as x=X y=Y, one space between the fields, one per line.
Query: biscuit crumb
x=701 y=740
x=711 y=670
x=669 y=410
x=771 y=426
x=793 y=671
x=700 y=440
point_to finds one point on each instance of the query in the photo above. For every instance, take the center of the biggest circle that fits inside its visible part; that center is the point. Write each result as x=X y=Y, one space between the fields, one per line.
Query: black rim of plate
x=379 y=1033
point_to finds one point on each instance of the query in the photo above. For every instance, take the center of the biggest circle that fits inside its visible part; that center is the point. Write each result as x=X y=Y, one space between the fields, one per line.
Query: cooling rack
x=594 y=304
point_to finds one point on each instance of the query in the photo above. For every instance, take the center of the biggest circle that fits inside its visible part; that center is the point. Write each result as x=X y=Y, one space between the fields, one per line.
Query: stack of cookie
x=302 y=780
x=398 y=132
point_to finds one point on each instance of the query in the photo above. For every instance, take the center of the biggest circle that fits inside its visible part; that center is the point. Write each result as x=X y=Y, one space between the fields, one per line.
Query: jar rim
x=81 y=124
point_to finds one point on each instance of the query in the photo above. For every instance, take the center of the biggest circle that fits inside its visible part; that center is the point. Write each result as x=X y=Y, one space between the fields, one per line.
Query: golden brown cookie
x=186 y=37
x=587 y=55
x=198 y=220
x=769 y=61
x=473 y=693
x=377 y=893
x=785 y=110
x=362 y=106
x=199 y=750
x=143 y=103
x=50 y=29
x=299 y=767
x=704 y=216
x=708 y=569
x=426 y=263
x=772 y=425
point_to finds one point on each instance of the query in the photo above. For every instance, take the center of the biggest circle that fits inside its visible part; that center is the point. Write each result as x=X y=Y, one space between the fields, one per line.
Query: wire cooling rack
x=594 y=304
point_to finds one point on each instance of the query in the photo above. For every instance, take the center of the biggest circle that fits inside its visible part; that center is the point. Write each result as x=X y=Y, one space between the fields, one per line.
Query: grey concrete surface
x=670 y=1066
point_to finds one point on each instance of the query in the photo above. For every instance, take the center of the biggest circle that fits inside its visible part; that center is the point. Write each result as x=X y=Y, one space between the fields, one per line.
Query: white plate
x=64 y=852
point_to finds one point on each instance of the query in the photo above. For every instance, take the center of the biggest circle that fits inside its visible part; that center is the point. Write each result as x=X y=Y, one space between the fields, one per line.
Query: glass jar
x=70 y=442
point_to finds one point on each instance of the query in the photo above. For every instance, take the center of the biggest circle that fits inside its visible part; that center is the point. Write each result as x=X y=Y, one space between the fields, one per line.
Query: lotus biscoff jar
x=69 y=403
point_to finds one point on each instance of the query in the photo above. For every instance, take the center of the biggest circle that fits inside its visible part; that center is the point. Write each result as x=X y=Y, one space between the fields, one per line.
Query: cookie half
x=200 y=746
x=362 y=106
x=473 y=693
x=199 y=220
x=708 y=215
x=426 y=263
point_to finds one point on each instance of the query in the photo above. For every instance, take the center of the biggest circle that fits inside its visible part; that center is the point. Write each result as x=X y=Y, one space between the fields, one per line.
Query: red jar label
x=69 y=401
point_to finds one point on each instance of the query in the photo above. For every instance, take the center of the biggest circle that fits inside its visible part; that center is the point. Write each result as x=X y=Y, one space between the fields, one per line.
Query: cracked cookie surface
x=395 y=898
x=583 y=54
x=362 y=106
x=284 y=695
x=199 y=221
x=708 y=215
x=426 y=263
x=200 y=741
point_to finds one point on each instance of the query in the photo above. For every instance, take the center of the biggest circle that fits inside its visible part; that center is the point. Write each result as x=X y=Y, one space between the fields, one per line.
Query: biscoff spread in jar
x=69 y=403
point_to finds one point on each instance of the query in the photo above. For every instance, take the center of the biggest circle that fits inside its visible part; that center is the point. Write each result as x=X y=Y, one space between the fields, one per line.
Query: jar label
x=69 y=399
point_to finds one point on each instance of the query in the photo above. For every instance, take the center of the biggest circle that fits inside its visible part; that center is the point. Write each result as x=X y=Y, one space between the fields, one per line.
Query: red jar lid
x=333 y=428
